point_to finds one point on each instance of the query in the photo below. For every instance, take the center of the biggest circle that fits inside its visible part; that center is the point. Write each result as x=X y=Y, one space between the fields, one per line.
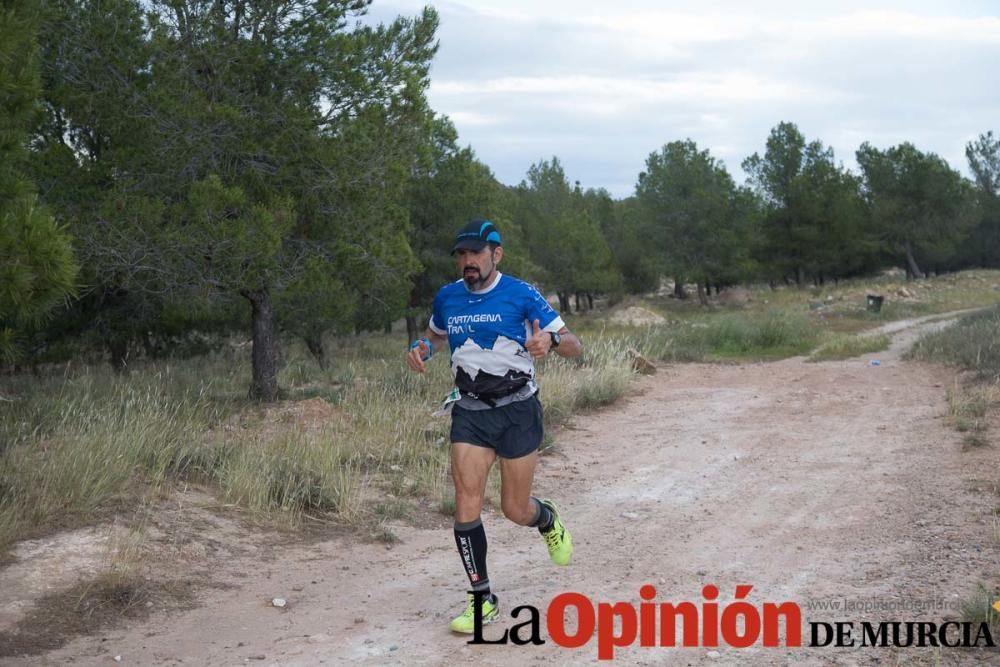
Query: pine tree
x=37 y=268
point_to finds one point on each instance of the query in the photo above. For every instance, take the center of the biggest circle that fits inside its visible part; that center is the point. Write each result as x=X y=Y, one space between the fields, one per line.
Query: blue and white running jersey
x=487 y=331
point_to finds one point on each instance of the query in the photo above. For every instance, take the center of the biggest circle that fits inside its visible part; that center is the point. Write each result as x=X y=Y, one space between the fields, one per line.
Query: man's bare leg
x=470 y=468
x=516 y=478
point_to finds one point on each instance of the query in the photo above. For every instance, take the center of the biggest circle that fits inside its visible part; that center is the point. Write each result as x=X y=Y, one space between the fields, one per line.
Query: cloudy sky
x=601 y=85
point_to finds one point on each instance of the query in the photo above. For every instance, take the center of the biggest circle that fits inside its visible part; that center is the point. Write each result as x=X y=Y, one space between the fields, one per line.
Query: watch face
x=556 y=339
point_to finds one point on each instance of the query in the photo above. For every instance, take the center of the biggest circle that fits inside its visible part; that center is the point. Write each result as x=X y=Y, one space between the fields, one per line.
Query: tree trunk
x=679 y=288
x=148 y=345
x=412 y=332
x=702 y=297
x=118 y=347
x=316 y=348
x=264 y=386
x=577 y=295
x=911 y=262
x=563 y=302
x=590 y=301
x=387 y=328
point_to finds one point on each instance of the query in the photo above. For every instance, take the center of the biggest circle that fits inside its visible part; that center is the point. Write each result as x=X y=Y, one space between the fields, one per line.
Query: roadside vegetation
x=89 y=443
x=973 y=345
x=842 y=346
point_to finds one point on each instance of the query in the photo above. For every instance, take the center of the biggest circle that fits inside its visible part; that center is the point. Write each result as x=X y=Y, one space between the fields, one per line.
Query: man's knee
x=519 y=512
x=468 y=504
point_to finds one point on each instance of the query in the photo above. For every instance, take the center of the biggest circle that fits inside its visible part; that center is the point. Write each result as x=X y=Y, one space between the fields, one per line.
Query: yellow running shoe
x=557 y=538
x=465 y=622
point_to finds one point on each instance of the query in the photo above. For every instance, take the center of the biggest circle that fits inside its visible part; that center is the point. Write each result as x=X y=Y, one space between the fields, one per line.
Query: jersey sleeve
x=437 y=321
x=539 y=309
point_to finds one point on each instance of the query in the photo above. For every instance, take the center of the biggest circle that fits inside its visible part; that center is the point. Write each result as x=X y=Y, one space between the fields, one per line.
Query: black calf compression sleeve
x=470 y=538
x=543 y=516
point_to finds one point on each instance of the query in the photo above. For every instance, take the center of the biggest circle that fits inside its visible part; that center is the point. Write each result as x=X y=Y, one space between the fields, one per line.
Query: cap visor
x=469 y=244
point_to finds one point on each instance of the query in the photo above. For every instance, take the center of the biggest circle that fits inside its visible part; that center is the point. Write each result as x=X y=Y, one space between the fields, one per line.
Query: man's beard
x=474 y=278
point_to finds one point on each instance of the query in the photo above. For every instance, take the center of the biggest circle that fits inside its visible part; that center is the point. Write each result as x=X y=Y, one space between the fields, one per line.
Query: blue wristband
x=427 y=342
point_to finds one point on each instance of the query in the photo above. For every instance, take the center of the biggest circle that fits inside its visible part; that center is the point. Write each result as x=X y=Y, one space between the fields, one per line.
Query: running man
x=495 y=325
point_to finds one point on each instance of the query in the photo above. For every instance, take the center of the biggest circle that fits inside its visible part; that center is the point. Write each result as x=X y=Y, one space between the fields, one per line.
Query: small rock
x=118 y=658
x=630 y=515
x=278 y=602
x=714 y=655
x=641 y=364
x=393 y=648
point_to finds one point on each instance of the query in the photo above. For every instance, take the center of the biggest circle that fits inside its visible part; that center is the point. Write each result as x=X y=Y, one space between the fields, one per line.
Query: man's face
x=477 y=267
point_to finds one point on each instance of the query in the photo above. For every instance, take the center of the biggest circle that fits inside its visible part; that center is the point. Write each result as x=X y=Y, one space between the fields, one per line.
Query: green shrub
x=972 y=343
x=744 y=336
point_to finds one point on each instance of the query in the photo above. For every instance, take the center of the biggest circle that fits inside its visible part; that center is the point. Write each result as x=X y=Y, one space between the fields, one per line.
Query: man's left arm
x=569 y=344
x=541 y=342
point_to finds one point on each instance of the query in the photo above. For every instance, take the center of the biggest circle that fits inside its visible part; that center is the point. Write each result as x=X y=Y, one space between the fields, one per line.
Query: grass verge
x=971 y=344
x=848 y=347
x=88 y=444
x=728 y=337
x=978 y=608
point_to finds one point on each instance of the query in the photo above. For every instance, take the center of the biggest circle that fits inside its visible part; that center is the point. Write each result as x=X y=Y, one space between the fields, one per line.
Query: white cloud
x=474 y=119
x=903 y=24
x=602 y=85
x=708 y=88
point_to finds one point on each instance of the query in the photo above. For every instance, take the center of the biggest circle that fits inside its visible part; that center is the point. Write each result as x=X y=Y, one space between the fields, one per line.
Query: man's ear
x=498 y=254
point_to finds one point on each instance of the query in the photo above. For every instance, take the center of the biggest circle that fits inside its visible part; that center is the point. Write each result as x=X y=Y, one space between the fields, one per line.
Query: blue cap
x=475 y=235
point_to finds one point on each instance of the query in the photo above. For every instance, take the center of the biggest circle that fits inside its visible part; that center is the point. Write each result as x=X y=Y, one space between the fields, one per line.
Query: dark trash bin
x=875 y=303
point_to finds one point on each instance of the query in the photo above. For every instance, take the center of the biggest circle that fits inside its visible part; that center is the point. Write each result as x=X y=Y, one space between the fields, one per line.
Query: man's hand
x=539 y=343
x=418 y=354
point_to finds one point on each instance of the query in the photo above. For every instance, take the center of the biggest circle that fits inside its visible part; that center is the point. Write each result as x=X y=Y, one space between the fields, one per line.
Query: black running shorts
x=513 y=430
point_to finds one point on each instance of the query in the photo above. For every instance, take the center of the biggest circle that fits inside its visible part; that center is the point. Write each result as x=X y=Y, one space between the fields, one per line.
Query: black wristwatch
x=556 y=338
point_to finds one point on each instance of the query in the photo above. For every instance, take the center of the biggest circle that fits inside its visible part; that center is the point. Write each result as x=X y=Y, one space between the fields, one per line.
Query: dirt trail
x=905 y=332
x=812 y=482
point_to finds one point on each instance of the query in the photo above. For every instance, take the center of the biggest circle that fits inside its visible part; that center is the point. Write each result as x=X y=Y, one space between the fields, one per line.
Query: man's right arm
x=419 y=352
